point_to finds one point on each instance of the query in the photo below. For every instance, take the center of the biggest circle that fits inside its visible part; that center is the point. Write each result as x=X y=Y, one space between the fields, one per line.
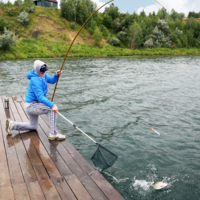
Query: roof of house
x=48 y=0
x=52 y=1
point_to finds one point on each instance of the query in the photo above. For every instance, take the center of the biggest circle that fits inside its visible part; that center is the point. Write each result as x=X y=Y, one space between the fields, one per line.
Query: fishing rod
x=160 y=4
x=73 y=42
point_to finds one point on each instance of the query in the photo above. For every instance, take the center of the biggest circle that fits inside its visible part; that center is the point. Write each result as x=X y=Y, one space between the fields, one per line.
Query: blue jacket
x=37 y=89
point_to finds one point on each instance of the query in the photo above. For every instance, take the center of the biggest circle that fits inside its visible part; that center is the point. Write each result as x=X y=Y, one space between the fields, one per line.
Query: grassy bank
x=48 y=35
x=31 y=48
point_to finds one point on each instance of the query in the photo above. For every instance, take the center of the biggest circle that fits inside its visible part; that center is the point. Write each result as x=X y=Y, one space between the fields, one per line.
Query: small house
x=45 y=3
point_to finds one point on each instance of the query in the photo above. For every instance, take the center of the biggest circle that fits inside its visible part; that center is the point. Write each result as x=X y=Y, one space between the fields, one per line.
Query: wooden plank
x=73 y=166
x=44 y=156
x=106 y=187
x=54 y=154
x=73 y=152
x=69 y=160
x=21 y=192
x=12 y=158
x=35 y=154
x=49 y=190
x=91 y=186
x=77 y=188
x=70 y=148
x=26 y=166
x=77 y=156
x=35 y=191
x=4 y=172
x=63 y=189
x=6 y=193
x=7 y=111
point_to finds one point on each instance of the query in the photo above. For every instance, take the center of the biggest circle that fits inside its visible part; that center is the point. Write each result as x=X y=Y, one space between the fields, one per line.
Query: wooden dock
x=32 y=167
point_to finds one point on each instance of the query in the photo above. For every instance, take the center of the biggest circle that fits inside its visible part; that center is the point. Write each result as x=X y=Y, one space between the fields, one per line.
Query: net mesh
x=103 y=158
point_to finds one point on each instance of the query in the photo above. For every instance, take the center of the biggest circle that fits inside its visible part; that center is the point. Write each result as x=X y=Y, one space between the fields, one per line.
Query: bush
x=98 y=36
x=31 y=10
x=22 y=9
x=149 y=43
x=23 y=18
x=10 y=12
x=64 y=36
x=104 y=30
x=73 y=25
x=7 y=39
x=3 y=23
x=114 y=41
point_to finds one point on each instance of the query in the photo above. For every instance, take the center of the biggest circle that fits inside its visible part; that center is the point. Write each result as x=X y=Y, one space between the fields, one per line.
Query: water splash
x=115 y=179
x=142 y=184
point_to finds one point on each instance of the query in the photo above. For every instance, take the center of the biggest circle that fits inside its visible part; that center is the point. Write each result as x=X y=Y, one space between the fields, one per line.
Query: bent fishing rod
x=73 y=42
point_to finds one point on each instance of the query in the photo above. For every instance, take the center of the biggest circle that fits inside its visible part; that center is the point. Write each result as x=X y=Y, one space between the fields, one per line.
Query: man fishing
x=36 y=102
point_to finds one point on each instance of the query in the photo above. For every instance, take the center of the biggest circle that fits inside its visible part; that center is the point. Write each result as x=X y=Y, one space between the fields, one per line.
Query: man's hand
x=59 y=72
x=55 y=108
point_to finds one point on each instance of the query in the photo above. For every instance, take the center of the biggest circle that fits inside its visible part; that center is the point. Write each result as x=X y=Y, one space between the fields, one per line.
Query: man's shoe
x=58 y=136
x=9 y=125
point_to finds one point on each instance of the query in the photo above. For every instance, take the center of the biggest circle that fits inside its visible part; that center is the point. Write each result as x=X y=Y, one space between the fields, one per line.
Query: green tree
x=128 y=19
x=178 y=32
x=162 y=13
x=104 y=30
x=23 y=18
x=3 y=23
x=107 y=21
x=1 y=4
x=98 y=36
x=190 y=38
x=197 y=30
x=184 y=41
x=18 y=3
x=8 y=4
x=190 y=24
x=28 y=3
x=122 y=36
x=163 y=26
x=160 y=37
x=68 y=10
x=112 y=11
x=81 y=12
x=142 y=14
x=117 y=25
x=7 y=39
x=134 y=36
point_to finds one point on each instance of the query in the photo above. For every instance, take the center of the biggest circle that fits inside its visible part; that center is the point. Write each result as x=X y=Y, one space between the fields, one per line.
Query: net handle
x=78 y=128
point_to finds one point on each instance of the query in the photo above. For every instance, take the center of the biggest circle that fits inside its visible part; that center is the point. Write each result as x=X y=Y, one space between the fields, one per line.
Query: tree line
x=164 y=29
x=161 y=29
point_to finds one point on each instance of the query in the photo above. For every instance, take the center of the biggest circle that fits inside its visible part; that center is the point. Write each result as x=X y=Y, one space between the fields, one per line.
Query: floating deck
x=32 y=167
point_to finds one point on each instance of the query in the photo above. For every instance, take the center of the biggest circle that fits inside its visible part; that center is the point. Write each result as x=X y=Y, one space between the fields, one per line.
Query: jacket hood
x=37 y=65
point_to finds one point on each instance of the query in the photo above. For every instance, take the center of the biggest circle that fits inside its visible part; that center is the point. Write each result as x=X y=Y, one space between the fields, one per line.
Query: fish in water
x=159 y=185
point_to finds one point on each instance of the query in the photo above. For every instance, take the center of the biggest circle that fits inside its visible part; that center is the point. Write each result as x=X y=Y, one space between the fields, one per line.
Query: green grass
x=31 y=48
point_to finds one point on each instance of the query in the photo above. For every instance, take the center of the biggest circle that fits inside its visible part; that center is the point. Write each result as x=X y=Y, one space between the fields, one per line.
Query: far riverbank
x=30 y=48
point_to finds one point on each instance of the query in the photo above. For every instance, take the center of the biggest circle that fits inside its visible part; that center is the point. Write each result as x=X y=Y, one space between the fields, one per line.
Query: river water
x=116 y=101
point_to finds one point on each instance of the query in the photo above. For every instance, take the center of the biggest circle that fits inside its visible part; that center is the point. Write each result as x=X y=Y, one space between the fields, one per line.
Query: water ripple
x=116 y=101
